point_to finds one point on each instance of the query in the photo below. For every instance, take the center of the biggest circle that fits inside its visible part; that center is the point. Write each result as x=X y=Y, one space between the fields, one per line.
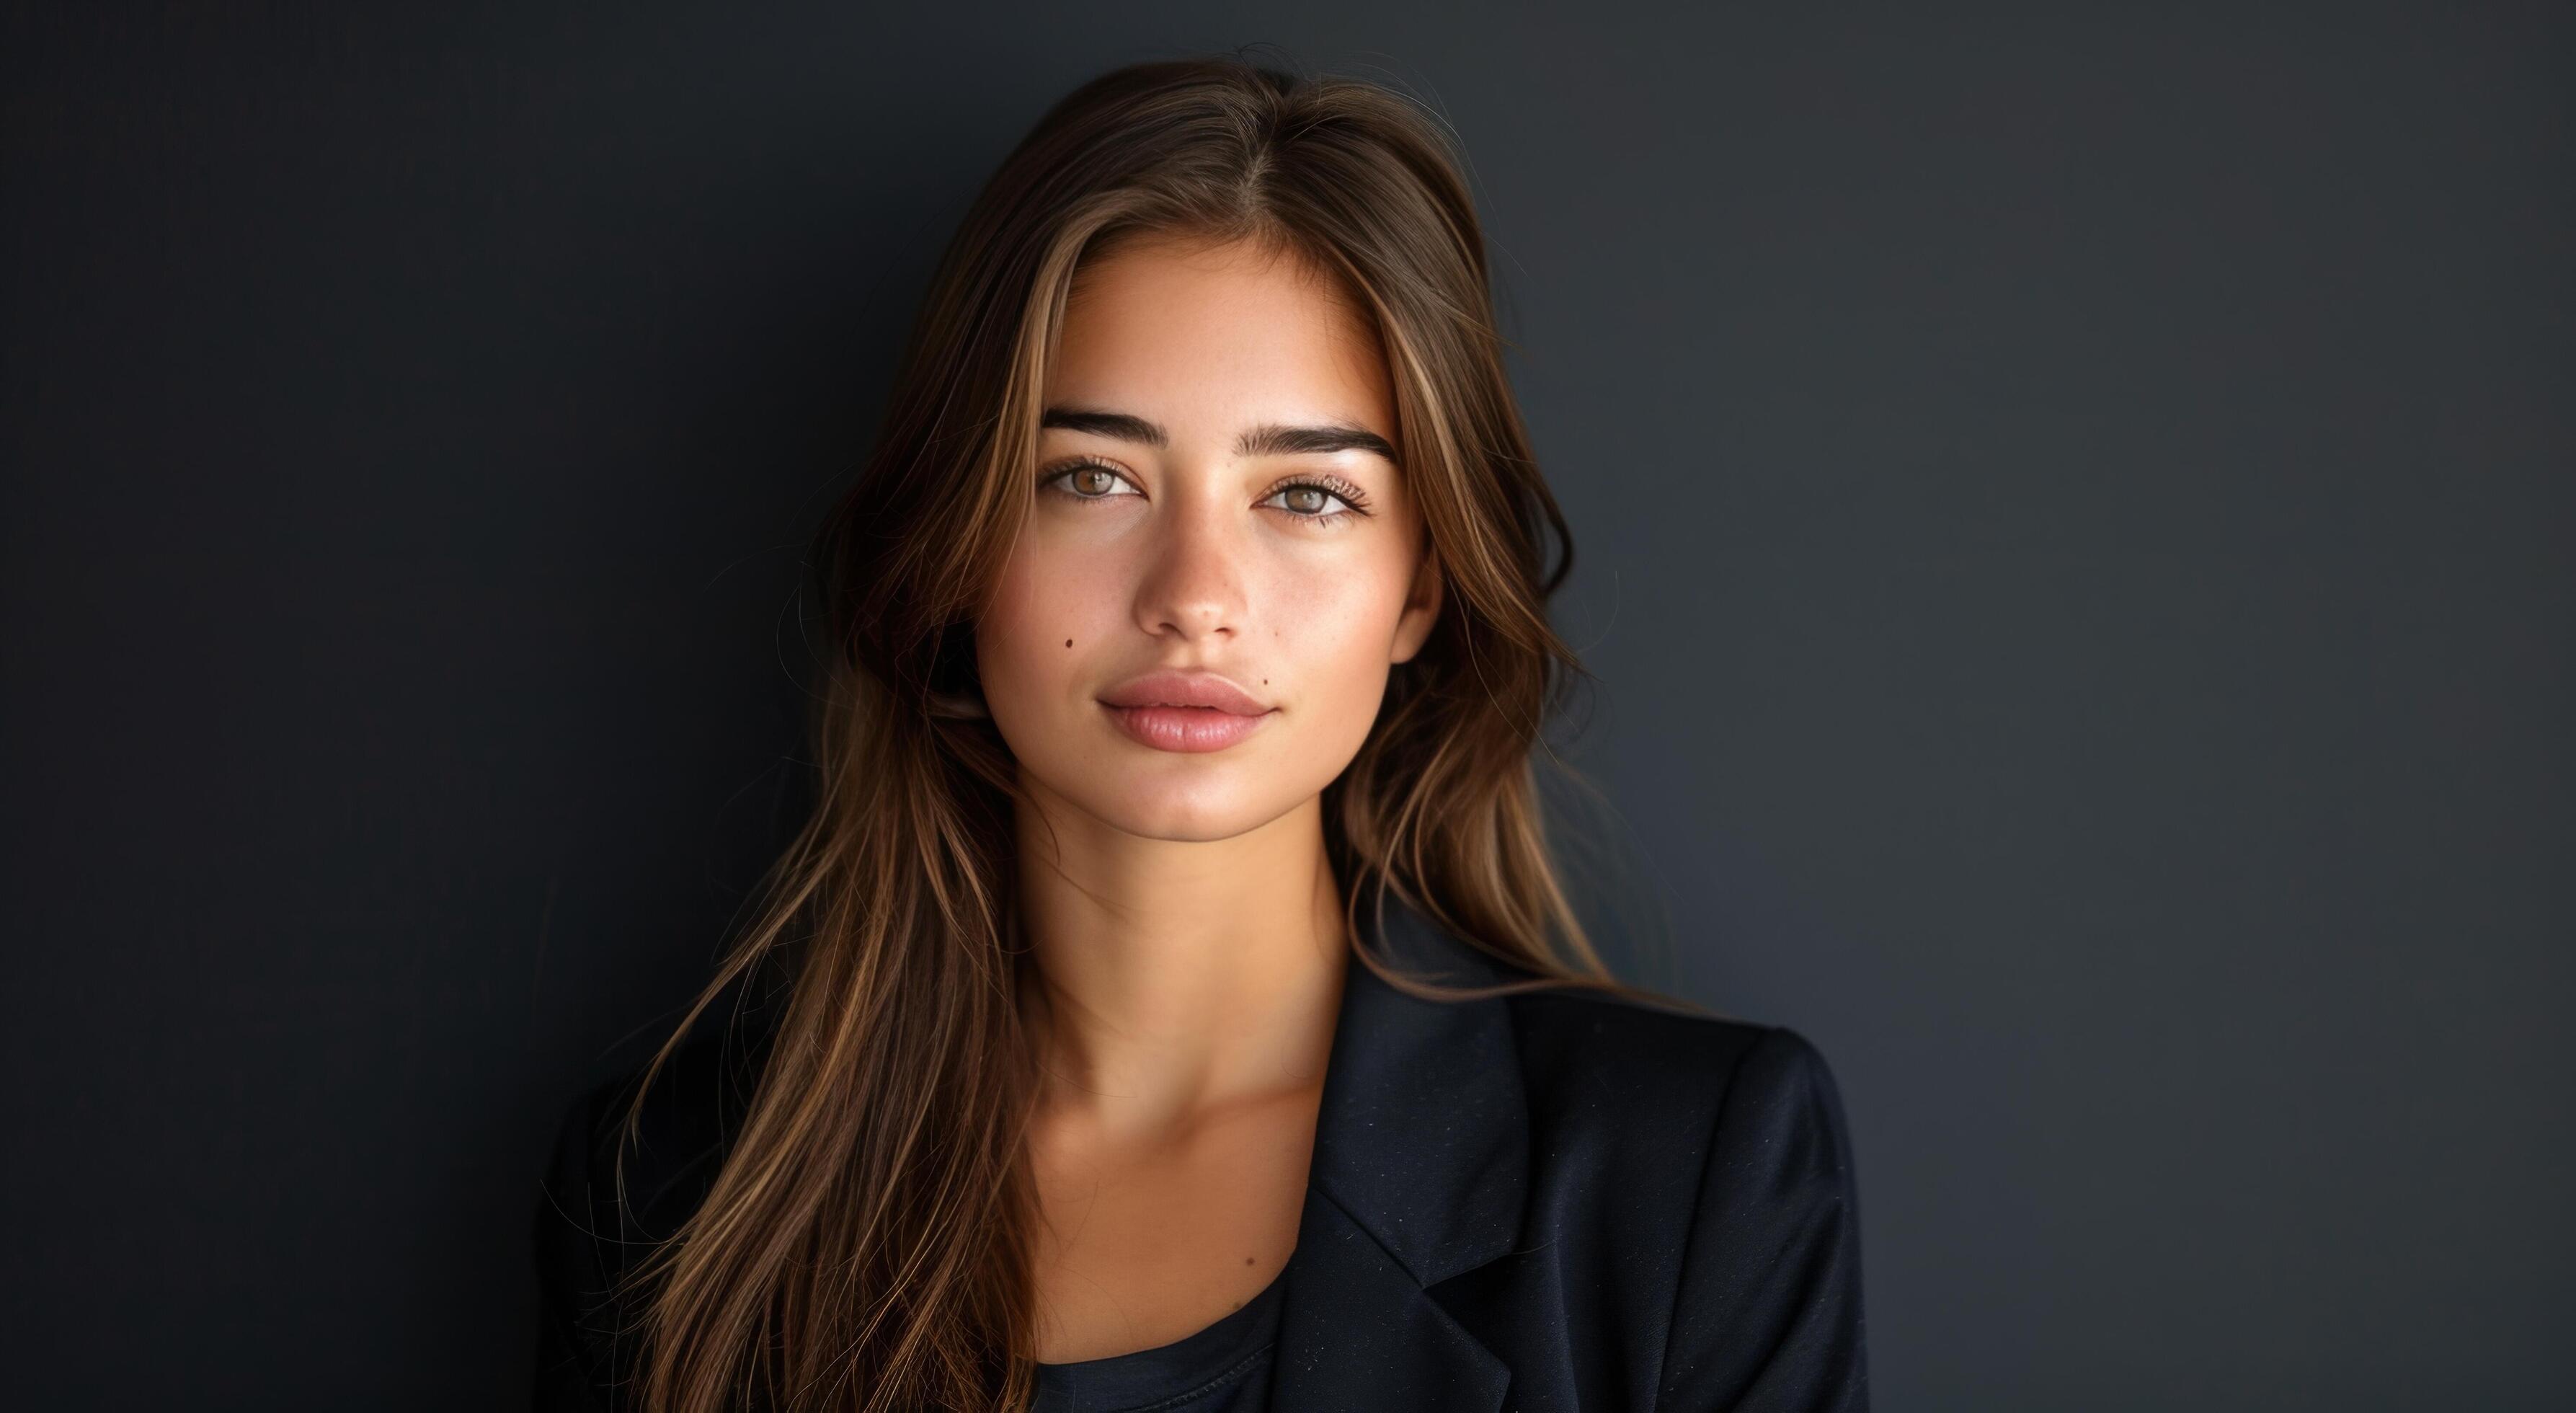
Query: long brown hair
x=865 y=1242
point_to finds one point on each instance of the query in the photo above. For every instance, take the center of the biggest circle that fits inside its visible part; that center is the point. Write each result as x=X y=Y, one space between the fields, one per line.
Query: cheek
x=1046 y=596
x=1333 y=631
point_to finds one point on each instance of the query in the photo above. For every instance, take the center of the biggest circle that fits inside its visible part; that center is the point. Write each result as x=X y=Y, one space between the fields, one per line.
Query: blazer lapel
x=1421 y=1160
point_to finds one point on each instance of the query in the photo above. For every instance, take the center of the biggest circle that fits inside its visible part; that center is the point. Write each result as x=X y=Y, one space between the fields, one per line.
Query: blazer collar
x=1420 y=1173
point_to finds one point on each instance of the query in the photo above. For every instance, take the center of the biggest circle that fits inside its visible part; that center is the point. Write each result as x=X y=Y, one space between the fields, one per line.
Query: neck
x=1175 y=980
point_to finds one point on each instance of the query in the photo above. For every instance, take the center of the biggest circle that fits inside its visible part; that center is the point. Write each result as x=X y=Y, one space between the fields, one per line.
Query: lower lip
x=1175 y=728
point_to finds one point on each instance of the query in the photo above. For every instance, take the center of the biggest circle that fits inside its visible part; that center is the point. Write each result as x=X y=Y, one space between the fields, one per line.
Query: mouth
x=1185 y=710
x=1195 y=688
x=1187 y=729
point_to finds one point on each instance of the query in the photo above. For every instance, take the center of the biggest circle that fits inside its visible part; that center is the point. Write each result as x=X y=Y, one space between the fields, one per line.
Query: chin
x=1184 y=816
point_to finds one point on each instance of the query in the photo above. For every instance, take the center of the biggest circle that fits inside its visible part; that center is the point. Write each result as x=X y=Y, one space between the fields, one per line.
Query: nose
x=1194 y=585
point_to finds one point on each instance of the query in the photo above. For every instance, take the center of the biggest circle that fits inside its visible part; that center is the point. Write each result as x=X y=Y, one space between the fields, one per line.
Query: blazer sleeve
x=572 y=1276
x=1767 y=1318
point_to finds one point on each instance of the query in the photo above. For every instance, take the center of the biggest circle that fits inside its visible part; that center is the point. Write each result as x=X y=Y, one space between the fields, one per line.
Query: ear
x=1421 y=606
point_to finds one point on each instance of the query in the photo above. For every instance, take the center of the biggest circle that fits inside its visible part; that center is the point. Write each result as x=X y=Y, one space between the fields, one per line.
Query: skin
x=1185 y=922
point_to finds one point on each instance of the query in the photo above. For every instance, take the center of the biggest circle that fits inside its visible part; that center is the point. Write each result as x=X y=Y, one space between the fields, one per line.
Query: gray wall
x=2072 y=515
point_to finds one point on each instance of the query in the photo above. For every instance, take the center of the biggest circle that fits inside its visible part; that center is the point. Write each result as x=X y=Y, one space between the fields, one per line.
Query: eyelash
x=1335 y=486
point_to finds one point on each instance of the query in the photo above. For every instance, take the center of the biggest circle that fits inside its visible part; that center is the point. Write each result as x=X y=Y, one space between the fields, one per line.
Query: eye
x=1313 y=499
x=1085 y=478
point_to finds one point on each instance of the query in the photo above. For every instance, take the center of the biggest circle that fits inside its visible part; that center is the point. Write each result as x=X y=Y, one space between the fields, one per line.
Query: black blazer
x=1550 y=1201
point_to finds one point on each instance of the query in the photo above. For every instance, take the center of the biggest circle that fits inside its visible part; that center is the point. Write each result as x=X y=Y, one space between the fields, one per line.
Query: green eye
x=1089 y=480
x=1311 y=499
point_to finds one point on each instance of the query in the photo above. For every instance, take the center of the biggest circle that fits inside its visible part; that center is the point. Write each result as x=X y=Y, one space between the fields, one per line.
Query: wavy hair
x=866 y=1241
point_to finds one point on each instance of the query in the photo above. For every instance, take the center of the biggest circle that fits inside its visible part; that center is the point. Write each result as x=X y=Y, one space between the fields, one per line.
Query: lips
x=1185 y=689
x=1185 y=711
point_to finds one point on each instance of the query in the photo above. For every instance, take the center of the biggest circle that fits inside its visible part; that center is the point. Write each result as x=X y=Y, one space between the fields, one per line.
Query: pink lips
x=1185 y=711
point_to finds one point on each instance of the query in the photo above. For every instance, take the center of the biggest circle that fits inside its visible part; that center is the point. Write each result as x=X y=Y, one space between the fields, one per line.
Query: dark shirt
x=1223 y=1368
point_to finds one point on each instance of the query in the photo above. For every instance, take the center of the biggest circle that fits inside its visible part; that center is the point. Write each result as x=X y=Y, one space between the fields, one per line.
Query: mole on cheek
x=1068 y=642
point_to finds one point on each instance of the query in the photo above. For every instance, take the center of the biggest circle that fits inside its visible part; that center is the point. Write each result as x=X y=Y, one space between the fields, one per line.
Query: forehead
x=1189 y=331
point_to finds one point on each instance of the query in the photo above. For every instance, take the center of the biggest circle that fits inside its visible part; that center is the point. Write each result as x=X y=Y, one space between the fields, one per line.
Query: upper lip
x=1193 y=689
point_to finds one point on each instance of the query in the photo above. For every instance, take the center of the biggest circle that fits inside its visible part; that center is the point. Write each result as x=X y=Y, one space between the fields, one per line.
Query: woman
x=1174 y=1002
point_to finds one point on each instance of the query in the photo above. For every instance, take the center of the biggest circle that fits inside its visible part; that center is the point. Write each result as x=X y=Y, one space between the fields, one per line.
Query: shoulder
x=1729 y=1138
x=1613 y=1057
x=681 y=1128
x=606 y=1199
x=1682 y=1112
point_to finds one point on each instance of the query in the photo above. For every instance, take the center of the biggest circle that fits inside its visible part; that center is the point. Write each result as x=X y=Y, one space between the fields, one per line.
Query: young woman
x=1173 y=1003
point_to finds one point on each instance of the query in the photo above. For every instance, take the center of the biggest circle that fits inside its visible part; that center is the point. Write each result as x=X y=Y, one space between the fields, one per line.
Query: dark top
x=1555 y=1200
x=1223 y=1368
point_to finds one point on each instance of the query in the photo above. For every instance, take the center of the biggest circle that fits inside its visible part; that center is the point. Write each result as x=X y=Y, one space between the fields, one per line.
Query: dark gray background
x=2073 y=520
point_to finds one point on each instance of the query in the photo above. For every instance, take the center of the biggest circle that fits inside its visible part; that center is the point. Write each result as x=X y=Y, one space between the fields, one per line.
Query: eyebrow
x=1268 y=439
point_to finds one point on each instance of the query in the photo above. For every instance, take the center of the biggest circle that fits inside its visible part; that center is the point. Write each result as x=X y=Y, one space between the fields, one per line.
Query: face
x=1215 y=495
